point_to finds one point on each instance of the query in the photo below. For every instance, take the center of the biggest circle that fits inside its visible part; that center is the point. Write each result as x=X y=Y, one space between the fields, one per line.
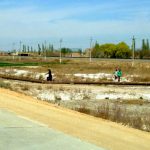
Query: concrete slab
x=18 y=133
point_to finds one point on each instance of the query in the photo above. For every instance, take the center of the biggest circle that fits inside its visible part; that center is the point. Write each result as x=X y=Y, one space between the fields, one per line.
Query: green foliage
x=5 y=85
x=109 y=50
x=123 y=50
x=24 y=49
x=66 y=51
x=9 y=64
x=80 y=51
x=96 y=51
x=39 y=49
x=43 y=49
x=145 y=49
x=147 y=44
x=144 y=46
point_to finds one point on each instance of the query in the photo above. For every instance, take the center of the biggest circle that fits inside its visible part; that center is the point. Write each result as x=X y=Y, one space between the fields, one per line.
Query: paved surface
x=18 y=133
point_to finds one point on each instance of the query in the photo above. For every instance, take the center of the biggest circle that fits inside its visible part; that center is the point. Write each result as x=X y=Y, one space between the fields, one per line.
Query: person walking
x=119 y=74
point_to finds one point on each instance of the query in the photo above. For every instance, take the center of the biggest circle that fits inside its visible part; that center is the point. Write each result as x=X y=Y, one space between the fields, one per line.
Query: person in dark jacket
x=49 y=78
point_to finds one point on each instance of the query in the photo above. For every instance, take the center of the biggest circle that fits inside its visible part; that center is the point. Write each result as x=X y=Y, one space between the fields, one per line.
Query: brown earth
x=100 y=132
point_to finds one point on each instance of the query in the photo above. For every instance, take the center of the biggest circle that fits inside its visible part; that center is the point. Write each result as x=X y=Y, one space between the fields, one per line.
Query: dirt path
x=106 y=134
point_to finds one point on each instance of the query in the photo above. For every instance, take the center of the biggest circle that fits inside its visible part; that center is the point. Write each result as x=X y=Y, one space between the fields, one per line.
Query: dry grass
x=117 y=111
x=120 y=114
x=83 y=110
x=25 y=87
x=142 y=78
x=133 y=102
x=140 y=71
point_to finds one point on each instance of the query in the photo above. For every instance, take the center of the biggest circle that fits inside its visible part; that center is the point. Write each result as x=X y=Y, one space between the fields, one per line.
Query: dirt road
x=103 y=133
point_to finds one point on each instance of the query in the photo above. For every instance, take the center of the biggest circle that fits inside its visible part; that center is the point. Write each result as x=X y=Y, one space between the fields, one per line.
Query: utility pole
x=20 y=50
x=13 y=49
x=13 y=46
x=60 y=42
x=91 y=39
x=45 y=49
x=133 y=50
x=20 y=46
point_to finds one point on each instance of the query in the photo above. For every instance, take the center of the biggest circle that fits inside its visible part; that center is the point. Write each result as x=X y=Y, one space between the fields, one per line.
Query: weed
x=39 y=88
x=83 y=109
x=102 y=111
x=25 y=88
x=57 y=99
x=41 y=77
x=117 y=113
x=5 y=85
x=28 y=75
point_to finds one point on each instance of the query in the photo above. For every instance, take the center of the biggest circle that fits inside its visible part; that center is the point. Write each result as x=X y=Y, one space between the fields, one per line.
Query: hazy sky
x=34 y=21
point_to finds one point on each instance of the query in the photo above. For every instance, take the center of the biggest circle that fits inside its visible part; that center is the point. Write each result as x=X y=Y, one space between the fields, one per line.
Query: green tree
x=144 y=47
x=145 y=52
x=80 y=51
x=123 y=50
x=31 y=49
x=147 y=44
x=96 y=51
x=43 y=49
x=39 y=49
x=28 y=48
x=50 y=48
x=109 y=50
x=65 y=51
x=23 y=48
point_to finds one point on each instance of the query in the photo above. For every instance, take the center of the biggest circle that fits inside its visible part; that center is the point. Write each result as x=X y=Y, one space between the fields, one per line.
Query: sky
x=73 y=21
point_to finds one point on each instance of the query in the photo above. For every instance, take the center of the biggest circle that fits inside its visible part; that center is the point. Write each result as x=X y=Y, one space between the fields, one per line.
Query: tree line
x=42 y=49
x=46 y=50
x=107 y=50
x=144 y=52
x=120 y=50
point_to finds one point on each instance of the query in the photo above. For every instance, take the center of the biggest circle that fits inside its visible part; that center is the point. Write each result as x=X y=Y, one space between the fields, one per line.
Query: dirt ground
x=100 y=132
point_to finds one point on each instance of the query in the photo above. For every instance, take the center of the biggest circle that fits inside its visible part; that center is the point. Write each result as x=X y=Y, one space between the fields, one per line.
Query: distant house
x=76 y=54
x=26 y=54
x=1 y=54
x=14 y=53
x=87 y=52
x=4 y=54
